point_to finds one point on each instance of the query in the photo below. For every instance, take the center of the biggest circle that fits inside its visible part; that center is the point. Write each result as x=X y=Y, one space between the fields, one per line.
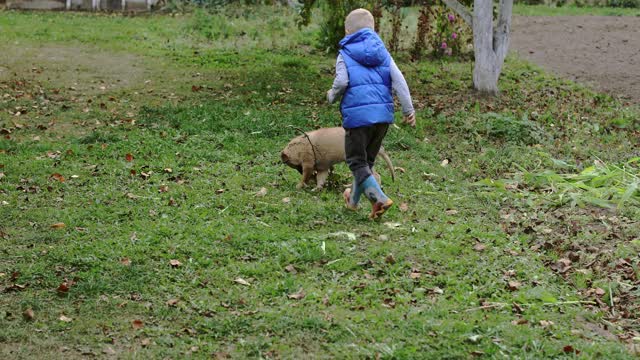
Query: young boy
x=365 y=77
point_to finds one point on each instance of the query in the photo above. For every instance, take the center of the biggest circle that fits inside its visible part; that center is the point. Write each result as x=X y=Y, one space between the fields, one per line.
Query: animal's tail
x=387 y=160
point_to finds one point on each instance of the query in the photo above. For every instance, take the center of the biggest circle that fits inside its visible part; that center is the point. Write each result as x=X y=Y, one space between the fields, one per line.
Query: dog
x=315 y=153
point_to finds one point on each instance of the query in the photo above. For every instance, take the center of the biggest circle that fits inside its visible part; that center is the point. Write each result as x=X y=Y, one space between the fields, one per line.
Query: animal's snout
x=284 y=157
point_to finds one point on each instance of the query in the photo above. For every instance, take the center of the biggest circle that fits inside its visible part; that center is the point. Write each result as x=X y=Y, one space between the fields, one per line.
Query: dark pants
x=361 y=147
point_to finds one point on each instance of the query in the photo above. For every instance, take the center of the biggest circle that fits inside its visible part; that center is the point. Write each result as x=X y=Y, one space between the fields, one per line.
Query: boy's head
x=358 y=19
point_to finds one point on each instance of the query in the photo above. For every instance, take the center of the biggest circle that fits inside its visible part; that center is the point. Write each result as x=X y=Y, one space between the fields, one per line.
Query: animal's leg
x=321 y=178
x=307 y=172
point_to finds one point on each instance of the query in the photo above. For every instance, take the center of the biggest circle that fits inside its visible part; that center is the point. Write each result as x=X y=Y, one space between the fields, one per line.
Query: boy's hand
x=410 y=119
x=330 y=96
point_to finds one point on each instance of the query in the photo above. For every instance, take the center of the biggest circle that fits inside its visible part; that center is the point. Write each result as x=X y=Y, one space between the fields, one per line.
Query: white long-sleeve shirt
x=398 y=83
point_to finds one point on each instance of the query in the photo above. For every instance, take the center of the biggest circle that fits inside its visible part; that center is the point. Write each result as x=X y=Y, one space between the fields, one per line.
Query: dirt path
x=601 y=51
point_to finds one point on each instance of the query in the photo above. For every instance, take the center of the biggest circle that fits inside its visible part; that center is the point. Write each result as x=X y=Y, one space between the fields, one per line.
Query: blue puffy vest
x=368 y=98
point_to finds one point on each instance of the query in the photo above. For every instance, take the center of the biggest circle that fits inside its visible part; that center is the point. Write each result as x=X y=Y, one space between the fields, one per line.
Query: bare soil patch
x=600 y=51
x=84 y=69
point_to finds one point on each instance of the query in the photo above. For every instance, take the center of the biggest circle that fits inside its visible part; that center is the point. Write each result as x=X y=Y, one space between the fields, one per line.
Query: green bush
x=631 y=4
x=508 y=128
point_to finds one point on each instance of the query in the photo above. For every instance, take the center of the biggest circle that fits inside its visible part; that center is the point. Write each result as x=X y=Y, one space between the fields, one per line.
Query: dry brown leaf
x=163 y=188
x=173 y=302
x=286 y=200
x=479 y=247
x=415 y=275
x=297 y=296
x=168 y=170
x=63 y=288
x=137 y=324
x=546 y=323
x=444 y=162
x=57 y=177
x=175 y=263
x=28 y=314
x=513 y=285
x=404 y=207
x=125 y=261
x=451 y=212
x=262 y=192
x=241 y=281
x=145 y=342
x=128 y=157
x=58 y=225
x=65 y=319
x=291 y=269
x=389 y=259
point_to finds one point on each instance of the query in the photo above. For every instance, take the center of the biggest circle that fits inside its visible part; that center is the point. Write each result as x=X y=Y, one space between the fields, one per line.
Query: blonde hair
x=358 y=19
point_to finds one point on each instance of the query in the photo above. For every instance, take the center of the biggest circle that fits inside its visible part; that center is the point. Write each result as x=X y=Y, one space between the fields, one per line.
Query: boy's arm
x=401 y=89
x=341 y=81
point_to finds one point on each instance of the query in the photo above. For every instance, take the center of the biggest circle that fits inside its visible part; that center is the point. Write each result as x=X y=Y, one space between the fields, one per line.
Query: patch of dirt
x=600 y=51
x=86 y=70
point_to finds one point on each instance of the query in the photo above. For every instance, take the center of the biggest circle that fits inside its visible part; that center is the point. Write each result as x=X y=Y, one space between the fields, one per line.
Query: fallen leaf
x=415 y=275
x=125 y=261
x=520 y=321
x=65 y=319
x=168 y=170
x=599 y=291
x=391 y=225
x=297 y=296
x=479 y=247
x=437 y=290
x=163 y=188
x=128 y=157
x=286 y=200
x=562 y=265
x=108 y=351
x=401 y=170
x=474 y=338
x=262 y=192
x=137 y=324
x=570 y=349
x=241 y=281
x=444 y=162
x=174 y=263
x=28 y=314
x=172 y=302
x=513 y=285
x=219 y=191
x=291 y=269
x=145 y=342
x=451 y=212
x=404 y=207
x=546 y=323
x=389 y=259
x=63 y=288
x=58 y=226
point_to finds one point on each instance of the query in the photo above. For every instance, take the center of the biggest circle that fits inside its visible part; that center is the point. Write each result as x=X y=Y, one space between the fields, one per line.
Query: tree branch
x=462 y=10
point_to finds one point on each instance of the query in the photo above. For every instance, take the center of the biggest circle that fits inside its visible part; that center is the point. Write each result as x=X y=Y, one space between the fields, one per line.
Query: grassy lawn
x=571 y=10
x=144 y=211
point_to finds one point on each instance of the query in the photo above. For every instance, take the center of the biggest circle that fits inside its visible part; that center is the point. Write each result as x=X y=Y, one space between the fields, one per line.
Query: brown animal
x=317 y=151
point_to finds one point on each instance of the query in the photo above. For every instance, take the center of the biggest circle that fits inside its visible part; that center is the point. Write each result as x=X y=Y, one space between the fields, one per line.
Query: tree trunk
x=485 y=71
x=490 y=45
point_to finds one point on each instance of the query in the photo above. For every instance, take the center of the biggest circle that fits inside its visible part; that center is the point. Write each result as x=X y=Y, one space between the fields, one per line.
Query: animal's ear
x=284 y=157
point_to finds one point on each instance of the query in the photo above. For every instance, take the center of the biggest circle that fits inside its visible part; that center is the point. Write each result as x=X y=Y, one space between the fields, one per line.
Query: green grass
x=544 y=10
x=205 y=135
